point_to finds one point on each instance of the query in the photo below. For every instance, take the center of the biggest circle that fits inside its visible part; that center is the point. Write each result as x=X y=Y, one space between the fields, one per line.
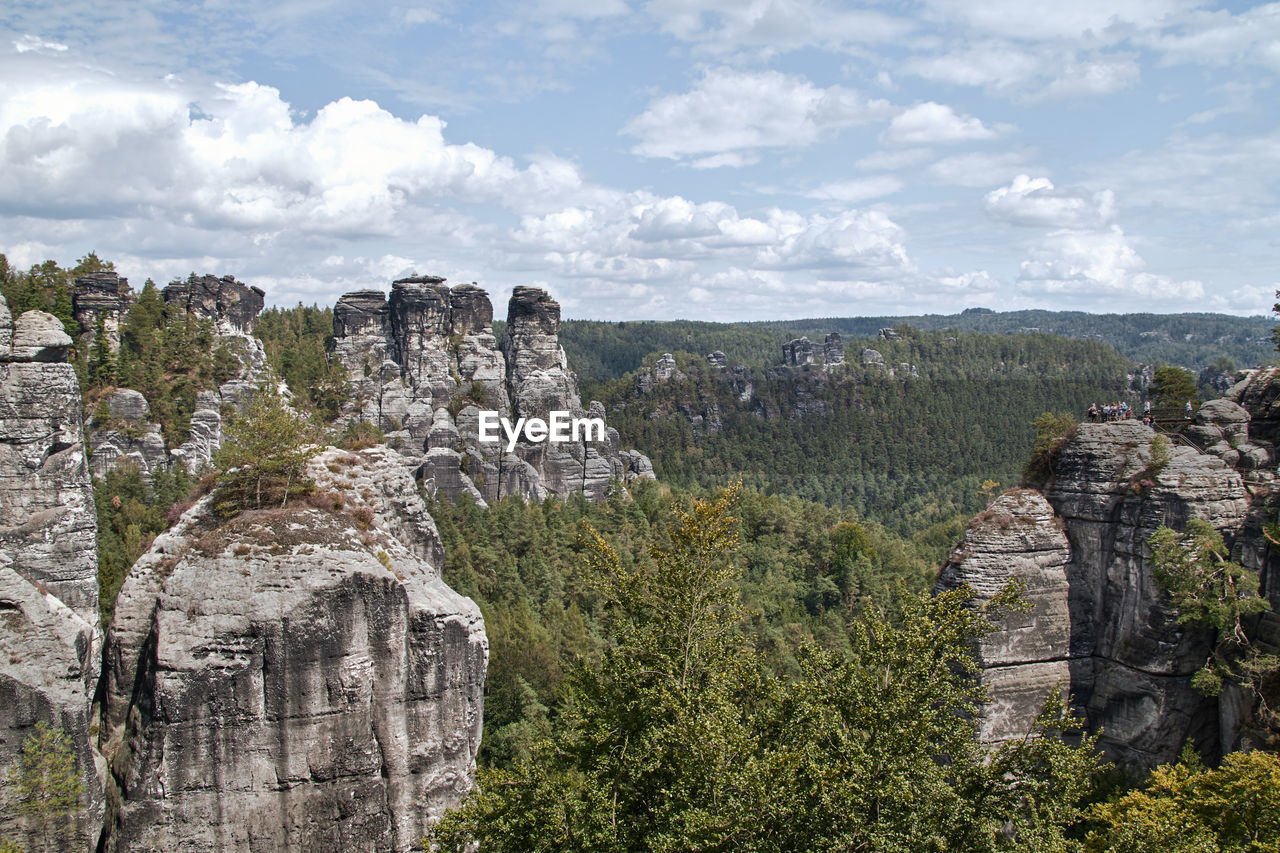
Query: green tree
x=1172 y=388
x=680 y=738
x=47 y=784
x=1052 y=434
x=1186 y=808
x=264 y=453
x=1208 y=590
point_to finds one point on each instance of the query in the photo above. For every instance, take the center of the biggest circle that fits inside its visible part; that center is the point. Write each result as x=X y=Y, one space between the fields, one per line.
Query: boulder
x=38 y=336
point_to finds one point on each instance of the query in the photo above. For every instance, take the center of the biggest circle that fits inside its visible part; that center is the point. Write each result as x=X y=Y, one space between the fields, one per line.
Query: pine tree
x=47 y=784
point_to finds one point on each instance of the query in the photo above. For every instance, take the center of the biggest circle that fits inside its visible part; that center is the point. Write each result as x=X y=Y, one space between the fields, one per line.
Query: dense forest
x=600 y=351
x=908 y=450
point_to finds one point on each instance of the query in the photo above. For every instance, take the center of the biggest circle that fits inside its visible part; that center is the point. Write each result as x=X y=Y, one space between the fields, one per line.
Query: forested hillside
x=601 y=351
x=907 y=442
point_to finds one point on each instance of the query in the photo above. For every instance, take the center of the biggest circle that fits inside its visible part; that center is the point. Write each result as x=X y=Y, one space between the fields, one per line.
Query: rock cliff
x=424 y=362
x=50 y=643
x=101 y=300
x=1017 y=536
x=1129 y=661
x=47 y=521
x=296 y=678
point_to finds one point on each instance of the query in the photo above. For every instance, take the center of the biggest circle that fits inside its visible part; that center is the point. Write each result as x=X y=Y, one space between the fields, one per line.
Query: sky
x=658 y=159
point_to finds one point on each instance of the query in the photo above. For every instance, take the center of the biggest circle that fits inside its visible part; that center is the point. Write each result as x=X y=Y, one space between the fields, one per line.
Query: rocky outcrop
x=1017 y=537
x=232 y=305
x=802 y=351
x=797 y=352
x=126 y=437
x=50 y=644
x=833 y=349
x=415 y=352
x=424 y=363
x=47 y=521
x=51 y=657
x=663 y=370
x=101 y=300
x=1130 y=662
x=297 y=678
x=1258 y=391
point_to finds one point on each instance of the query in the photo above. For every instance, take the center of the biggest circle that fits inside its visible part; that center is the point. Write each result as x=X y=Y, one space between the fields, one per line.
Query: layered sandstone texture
x=424 y=363
x=1017 y=539
x=47 y=521
x=293 y=678
x=49 y=660
x=50 y=644
x=1130 y=663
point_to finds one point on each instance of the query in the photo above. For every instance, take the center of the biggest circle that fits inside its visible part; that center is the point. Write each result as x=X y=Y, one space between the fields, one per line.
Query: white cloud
x=723 y=26
x=730 y=115
x=857 y=189
x=1035 y=201
x=1218 y=37
x=102 y=147
x=1102 y=268
x=978 y=169
x=1102 y=21
x=937 y=124
x=30 y=43
x=1028 y=73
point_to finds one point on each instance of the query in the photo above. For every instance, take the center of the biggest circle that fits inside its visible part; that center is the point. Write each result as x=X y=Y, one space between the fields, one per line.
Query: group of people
x=1121 y=410
x=1118 y=412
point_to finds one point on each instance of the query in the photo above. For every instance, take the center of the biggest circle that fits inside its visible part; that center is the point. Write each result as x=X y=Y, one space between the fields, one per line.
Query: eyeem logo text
x=560 y=427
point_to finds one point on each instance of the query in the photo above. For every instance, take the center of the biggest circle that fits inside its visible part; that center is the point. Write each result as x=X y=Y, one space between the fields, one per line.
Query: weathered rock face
x=1017 y=536
x=1258 y=391
x=38 y=336
x=413 y=353
x=1130 y=662
x=51 y=657
x=102 y=299
x=797 y=352
x=47 y=520
x=833 y=349
x=802 y=351
x=424 y=363
x=127 y=438
x=232 y=305
x=293 y=679
x=663 y=370
x=50 y=644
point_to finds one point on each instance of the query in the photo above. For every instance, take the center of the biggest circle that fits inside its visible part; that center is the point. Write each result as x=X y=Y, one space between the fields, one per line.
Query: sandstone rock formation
x=833 y=349
x=232 y=305
x=127 y=437
x=293 y=679
x=424 y=362
x=47 y=520
x=1130 y=662
x=797 y=352
x=802 y=351
x=101 y=300
x=1017 y=536
x=51 y=657
x=50 y=644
